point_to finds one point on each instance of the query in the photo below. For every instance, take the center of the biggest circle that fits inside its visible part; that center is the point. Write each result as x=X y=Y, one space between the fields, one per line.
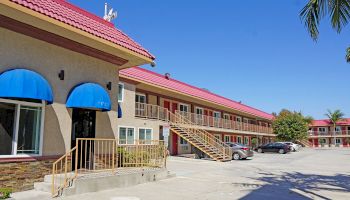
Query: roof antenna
x=109 y=15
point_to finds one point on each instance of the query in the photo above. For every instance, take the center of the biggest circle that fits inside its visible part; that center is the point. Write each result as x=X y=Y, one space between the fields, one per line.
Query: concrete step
x=42 y=186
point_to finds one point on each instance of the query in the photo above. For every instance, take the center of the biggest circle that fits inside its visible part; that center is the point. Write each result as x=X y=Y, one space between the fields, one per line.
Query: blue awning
x=26 y=84
x=120 y=113
x=89 y=96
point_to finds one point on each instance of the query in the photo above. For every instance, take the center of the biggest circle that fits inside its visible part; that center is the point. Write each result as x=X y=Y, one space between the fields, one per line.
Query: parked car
x=274 y=147
x=293 y=147
x=240 y=151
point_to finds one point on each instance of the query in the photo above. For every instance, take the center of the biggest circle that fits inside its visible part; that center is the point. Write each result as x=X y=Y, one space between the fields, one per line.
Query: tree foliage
x=291 y=126
x=315 y=10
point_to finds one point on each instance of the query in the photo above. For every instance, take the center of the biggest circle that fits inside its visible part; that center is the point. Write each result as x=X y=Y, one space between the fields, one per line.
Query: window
x=226 y=116
x=217 y=137
x=199 y=111
x=182 y=141
x=227 y=138
x=239 y=139
x=120 y=92
x=217 y=115
x=183 y=108
x=322 y=141
x=238 y=119
x=145 y=135
x=338 y=141
x=338 y=129
x=246 y=140
x=322 y=129
x=126 y=135
x=20 y=127
x=140 y=98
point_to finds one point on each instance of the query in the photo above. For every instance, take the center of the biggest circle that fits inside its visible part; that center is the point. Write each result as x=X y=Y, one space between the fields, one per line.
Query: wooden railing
x=156 y=112
x=200 y=135
x=91 y=155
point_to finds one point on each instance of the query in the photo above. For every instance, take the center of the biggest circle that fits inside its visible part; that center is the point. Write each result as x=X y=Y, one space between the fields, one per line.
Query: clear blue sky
x=257 y=52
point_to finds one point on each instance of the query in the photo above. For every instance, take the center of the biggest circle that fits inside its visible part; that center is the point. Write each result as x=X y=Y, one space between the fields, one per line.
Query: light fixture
x=61 y=75
x=109 y=85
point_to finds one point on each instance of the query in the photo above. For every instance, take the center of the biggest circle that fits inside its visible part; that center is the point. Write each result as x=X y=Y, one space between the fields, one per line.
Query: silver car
x=240 y=151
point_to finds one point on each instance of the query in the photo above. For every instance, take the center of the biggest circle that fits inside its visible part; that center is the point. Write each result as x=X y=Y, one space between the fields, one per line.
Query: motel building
x=322 y=134
x=59 y=80
x=191 y=119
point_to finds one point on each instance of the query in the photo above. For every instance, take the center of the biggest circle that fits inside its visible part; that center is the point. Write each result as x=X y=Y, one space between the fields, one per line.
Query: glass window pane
x=142 y=134
x=29 y=130
x=120 y=92
x=122 y=135
x=148 y=134
x=130 y=136
x=7 y=118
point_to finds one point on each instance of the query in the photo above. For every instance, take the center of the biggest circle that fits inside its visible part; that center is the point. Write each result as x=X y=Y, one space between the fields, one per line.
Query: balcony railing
x=329 y=133
x=156 y=112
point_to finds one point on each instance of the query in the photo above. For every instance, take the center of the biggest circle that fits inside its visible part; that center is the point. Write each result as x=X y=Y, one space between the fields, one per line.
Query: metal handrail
x=96 y=155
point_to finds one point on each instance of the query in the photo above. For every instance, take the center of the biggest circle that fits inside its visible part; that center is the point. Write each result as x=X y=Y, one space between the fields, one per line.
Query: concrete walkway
x=309 y=174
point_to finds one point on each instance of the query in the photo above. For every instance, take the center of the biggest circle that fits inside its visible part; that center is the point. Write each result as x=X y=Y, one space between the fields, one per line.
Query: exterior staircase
x=305 y=143
x=199 y=138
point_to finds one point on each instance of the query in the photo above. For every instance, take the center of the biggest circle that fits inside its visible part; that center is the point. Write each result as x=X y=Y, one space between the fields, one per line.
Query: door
x=83 y=126
x=174 y=107
x=174 y=139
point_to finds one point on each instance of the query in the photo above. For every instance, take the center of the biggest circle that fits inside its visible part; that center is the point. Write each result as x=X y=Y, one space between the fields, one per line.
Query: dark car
x=240 y=151
x=274 y=147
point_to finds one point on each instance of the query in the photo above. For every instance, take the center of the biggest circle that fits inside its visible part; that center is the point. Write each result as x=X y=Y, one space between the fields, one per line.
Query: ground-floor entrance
x=83 y=126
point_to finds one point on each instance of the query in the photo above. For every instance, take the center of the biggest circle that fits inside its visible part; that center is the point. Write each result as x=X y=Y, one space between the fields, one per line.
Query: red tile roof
x=327 y=122
x=72 y=15
x=172 y=84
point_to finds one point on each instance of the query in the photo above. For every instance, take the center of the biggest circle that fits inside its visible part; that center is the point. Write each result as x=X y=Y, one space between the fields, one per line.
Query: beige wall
x=19 y=51
x=128 y=108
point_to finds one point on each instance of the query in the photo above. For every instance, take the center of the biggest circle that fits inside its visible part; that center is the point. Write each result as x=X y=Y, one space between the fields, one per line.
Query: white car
x=293 y=147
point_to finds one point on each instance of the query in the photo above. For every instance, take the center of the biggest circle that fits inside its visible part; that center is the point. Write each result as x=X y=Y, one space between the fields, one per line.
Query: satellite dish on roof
x=109 y=15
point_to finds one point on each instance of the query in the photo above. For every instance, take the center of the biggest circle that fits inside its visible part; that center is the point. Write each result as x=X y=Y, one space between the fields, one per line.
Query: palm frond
x=347 y=57
x=339 y=11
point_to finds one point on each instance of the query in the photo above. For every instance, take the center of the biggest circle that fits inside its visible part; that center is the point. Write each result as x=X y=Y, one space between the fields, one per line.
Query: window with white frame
x=239 y=139
x=199 y=111
x=239 y=119
x=182 y=141
x=140 y=98
x=226 y=116
x=338 y=129
x=21 y=127
x=227 y=138
x=120 y=92
x=145 y=135
x=338 y=141
x=217 y=137
x=217 y=115
x=322 y=129
x=183 y=108
x=126 y=135
x=246 y=140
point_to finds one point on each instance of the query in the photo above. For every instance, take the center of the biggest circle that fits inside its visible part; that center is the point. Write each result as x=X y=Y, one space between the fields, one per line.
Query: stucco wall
x=19 y=51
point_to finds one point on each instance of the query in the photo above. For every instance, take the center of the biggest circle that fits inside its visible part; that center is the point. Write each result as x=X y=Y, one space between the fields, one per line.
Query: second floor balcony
x=338 y=133
x=156 y=112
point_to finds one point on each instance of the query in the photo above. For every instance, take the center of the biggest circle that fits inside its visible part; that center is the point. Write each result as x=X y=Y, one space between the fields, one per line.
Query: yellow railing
x=92 y=155
x=201 y=135
x=150 y=111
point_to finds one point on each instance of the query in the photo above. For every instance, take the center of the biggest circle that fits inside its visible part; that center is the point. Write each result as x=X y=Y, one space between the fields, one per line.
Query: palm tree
x=334 y=118
x=315 y=10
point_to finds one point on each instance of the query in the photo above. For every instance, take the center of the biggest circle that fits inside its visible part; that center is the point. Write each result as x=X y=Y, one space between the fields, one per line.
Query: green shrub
x=5 y=193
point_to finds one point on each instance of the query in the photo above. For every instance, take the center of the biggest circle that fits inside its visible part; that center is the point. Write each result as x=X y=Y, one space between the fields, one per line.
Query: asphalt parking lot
x=308 y=174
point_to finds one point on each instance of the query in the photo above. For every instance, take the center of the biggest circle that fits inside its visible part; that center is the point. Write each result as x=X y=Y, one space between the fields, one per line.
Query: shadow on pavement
x=298 y=186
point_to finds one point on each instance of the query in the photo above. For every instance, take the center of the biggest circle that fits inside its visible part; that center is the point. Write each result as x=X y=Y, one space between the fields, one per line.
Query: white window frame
x=338 y=139
x=18 y=105
x=138 y=132
x=244 y=140
x=218 y=114
x=325 y=128
x=227 y=136
x=141 y=94
x=227 y=115
x=184 y=105
x=126 y=140
x=240 y=119
x=199 y=108
x=240 y=139
x=218 y=136
x=185 y=143
x=122 y=92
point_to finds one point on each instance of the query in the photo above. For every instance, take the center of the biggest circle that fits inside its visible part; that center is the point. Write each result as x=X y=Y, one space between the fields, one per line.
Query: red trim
x=28 y=159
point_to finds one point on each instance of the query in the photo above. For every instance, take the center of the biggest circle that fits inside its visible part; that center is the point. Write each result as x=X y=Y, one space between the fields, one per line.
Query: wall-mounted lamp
x=109 y=85
x=61 y=75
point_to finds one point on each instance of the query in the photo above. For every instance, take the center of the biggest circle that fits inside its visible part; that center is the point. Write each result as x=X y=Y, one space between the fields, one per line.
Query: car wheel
x=236 y=156
x=293 y=149
x=260 y=150
x=281 y=151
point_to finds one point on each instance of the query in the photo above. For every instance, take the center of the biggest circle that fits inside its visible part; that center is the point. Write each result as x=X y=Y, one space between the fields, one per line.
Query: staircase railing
x=92 y=155
x=201 y=134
